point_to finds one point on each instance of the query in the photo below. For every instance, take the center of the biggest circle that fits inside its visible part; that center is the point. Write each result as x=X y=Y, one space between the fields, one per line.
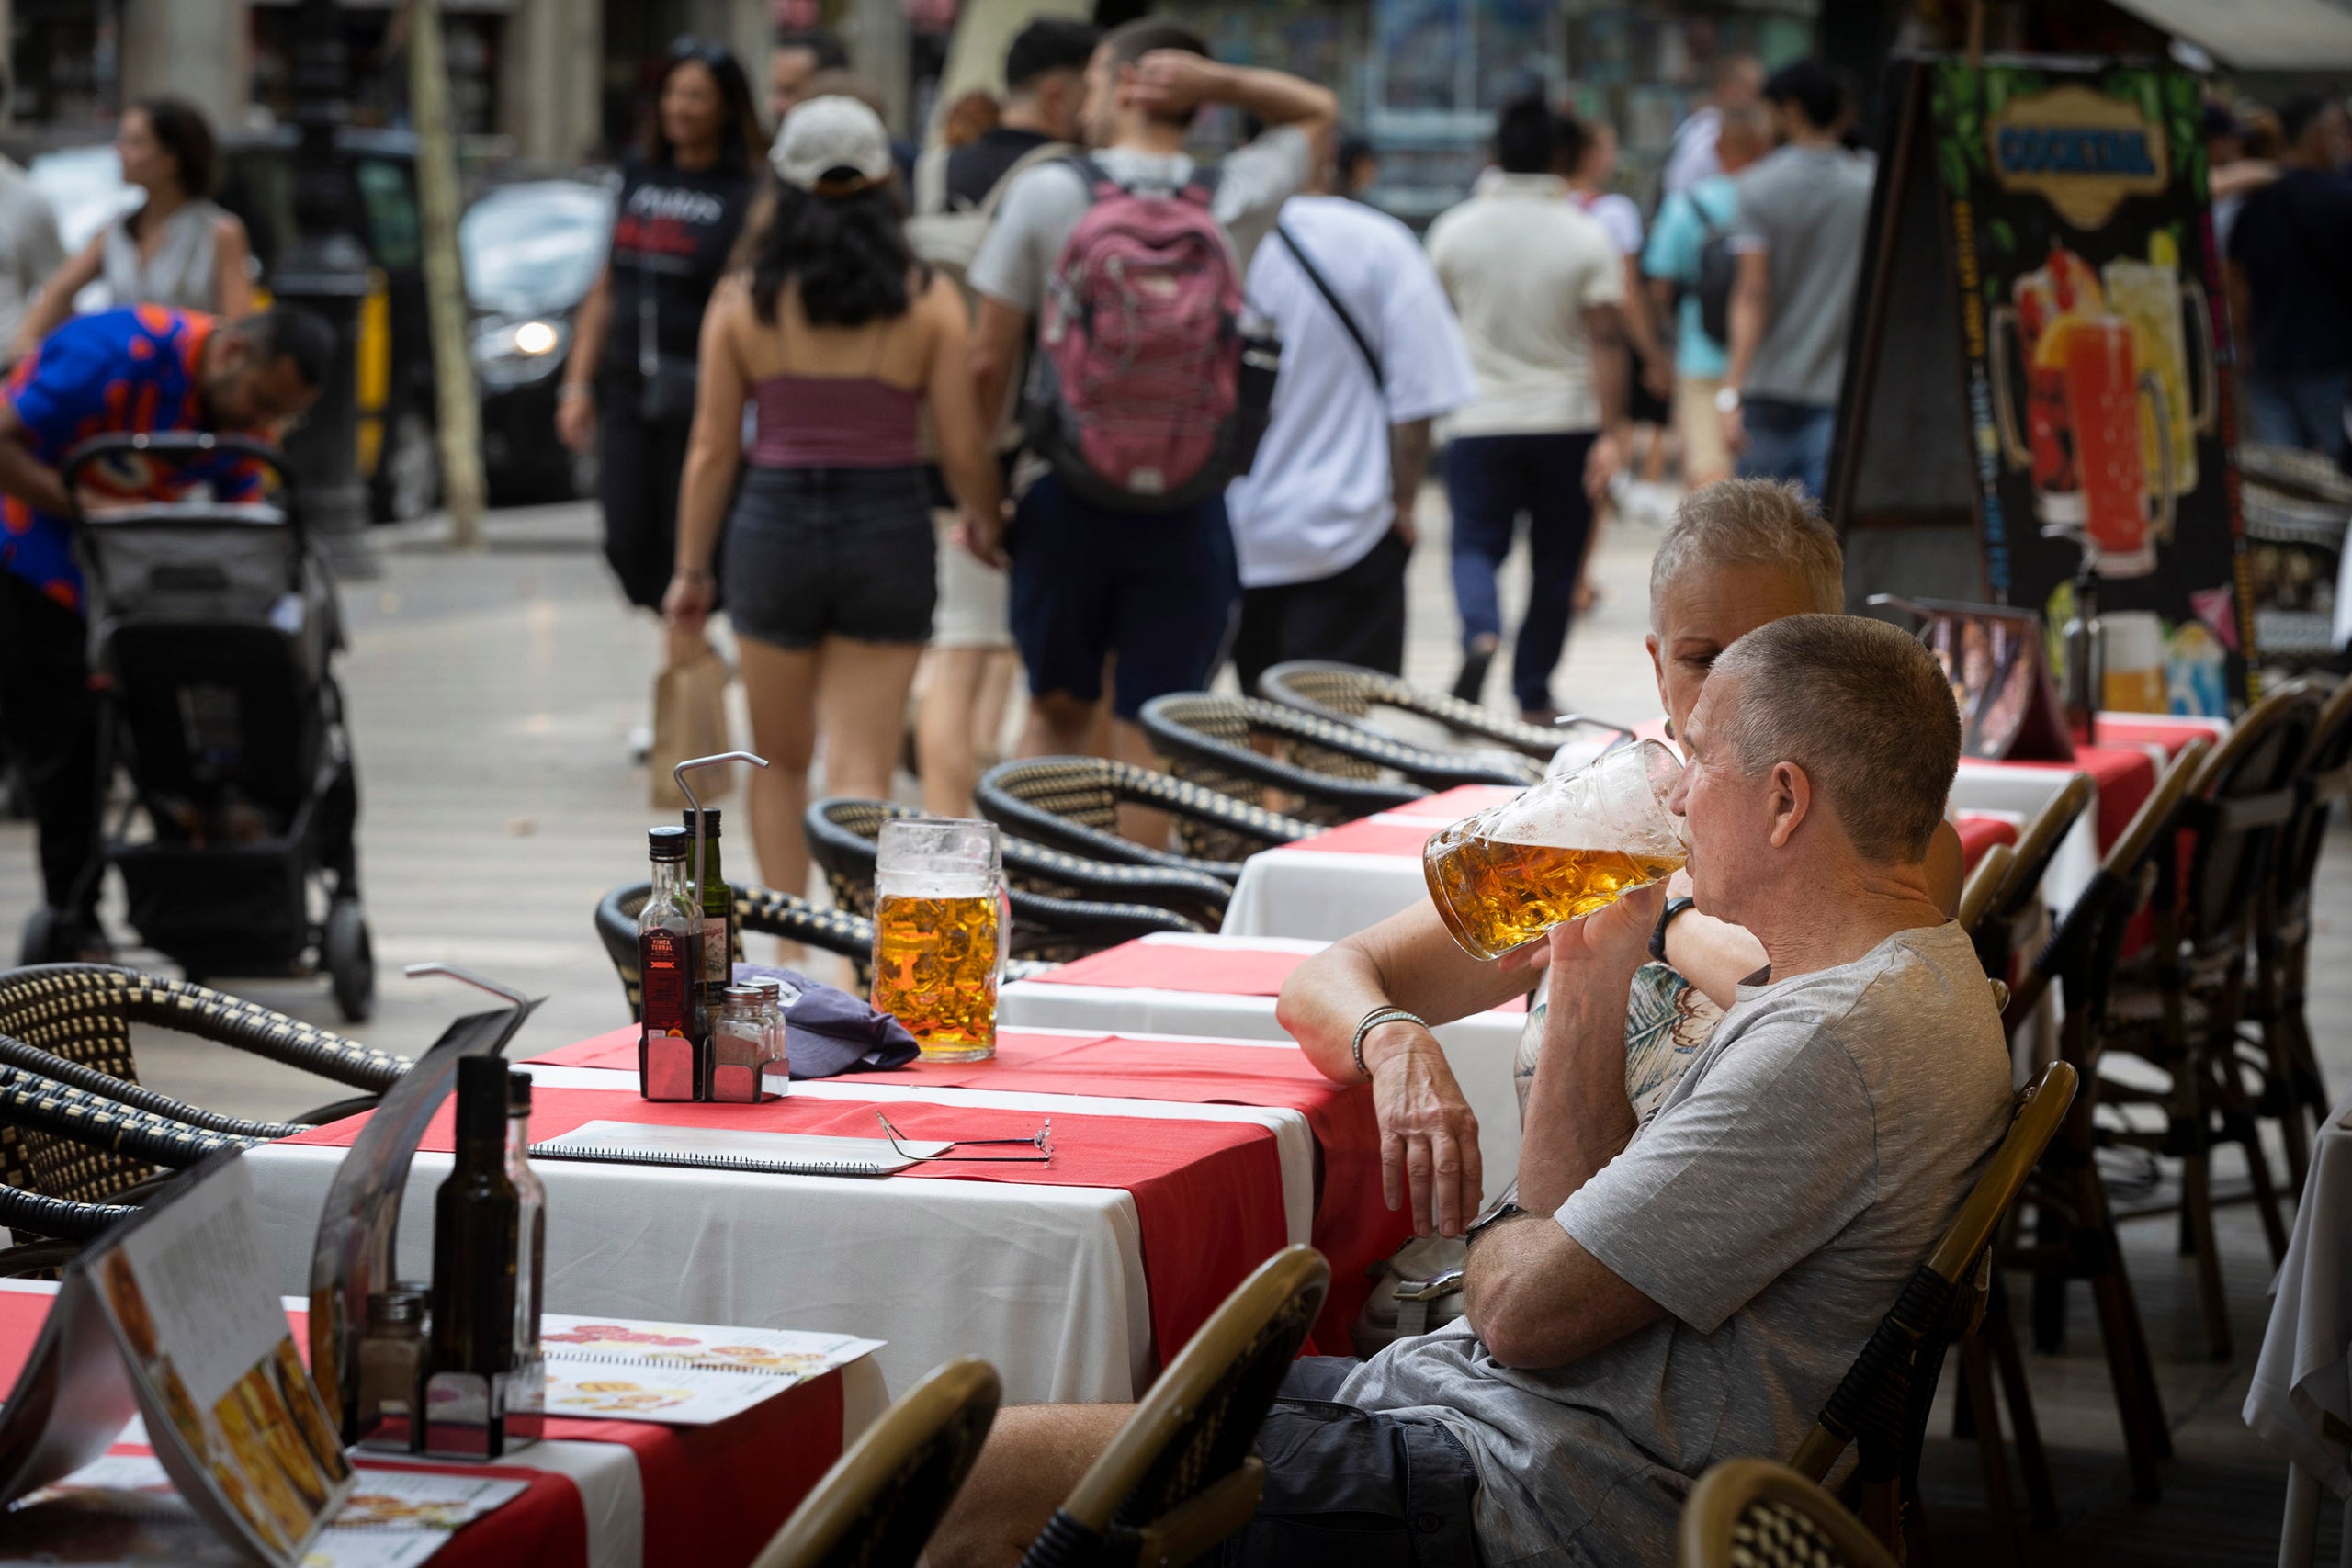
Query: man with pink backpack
x=1147 y=389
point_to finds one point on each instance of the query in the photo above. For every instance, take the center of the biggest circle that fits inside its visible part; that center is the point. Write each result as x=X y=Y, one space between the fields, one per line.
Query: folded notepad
x=722 y=1148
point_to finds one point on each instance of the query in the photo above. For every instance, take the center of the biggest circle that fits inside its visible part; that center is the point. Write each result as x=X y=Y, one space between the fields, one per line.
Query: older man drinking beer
x=1663 y=1294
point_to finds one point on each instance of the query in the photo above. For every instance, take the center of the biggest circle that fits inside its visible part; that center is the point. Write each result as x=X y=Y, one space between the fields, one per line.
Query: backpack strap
x=1044 y=152
x=1199 y=186
x=1331 y=297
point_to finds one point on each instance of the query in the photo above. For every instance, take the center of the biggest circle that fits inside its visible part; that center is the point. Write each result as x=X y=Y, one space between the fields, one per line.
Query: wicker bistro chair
x=1073 y=802
x=62 y=1142
x=2282 y=937
x=2073 y=1232
x=879 y=1504
x=82 y=1013
x=59 y=1230
x=2016 y=913
x=1179 y=1476
x=1334 y=770
x=843 y=833
x=758 y=909
x=2179 y=1007
x=1347 y=694
x=1751 y=1513
x=1881 y=1405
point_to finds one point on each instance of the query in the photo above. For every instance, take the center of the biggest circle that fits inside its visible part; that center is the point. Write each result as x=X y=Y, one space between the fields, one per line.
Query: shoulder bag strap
x=1331 y=297
x=1049 y=152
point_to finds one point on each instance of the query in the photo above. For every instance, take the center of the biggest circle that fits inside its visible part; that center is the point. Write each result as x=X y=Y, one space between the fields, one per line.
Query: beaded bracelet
x=1373 y=1021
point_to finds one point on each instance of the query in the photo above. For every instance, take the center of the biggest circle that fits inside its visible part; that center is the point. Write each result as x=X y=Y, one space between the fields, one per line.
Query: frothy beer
x=1502 y=878
x=935 y=970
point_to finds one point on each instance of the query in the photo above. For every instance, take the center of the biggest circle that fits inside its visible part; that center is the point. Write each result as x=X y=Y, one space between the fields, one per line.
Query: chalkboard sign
x=2039 y=378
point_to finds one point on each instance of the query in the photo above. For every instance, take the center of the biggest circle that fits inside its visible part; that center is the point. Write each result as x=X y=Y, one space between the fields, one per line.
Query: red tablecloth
x=1223 y=971
x=1207 y=1194
x=2125 y=775
x=1978 y=834
x=713 y=1494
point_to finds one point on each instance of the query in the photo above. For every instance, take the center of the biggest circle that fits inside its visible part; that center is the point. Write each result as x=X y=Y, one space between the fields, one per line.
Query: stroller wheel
x=46 y=932
x=351 y=961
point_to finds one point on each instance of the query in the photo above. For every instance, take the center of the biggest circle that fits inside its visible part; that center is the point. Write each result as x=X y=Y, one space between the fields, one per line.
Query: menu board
x=2075 y=269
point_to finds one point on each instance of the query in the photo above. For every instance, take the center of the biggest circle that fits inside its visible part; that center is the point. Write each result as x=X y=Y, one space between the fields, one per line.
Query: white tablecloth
x=1301 y=891
x=1046 y=1283
x=1480 y=1047
x=2301 y=1400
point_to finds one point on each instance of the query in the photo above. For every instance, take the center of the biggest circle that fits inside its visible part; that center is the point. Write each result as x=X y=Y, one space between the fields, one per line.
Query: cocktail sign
x=2168 y=315
x=941 y=919
x=1566 y=847
x=2088 y=401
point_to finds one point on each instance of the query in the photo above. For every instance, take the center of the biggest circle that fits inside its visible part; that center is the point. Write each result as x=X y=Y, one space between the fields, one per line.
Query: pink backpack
x=1139 y=396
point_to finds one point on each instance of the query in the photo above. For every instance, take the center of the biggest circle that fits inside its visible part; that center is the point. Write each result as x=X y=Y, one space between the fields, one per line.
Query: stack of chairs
x=1347 y=694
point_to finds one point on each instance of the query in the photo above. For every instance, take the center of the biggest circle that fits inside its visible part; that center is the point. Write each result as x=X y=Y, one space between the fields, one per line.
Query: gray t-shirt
x=1044 y=203
x=1806 y=210
x=1775 y=1205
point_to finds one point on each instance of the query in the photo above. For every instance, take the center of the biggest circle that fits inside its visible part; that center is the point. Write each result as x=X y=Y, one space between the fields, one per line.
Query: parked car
x=531 y=252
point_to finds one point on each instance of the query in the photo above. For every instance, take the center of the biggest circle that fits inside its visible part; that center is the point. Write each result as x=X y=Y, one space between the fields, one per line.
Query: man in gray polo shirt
x=1658 y=1299
x=1799 y=240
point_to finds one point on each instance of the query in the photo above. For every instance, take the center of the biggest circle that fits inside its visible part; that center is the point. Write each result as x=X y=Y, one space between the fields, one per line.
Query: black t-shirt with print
x=671 y=233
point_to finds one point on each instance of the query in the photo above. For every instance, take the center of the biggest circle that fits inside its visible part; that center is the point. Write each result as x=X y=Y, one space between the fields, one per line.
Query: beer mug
x=941 y=918
x=1566 y=847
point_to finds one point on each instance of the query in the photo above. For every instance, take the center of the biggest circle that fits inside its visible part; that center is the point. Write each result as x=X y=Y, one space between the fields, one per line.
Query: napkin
x=828 y=1031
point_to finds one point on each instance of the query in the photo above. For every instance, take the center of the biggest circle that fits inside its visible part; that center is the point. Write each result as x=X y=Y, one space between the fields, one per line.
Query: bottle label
x=663 y=959
x=717 y=970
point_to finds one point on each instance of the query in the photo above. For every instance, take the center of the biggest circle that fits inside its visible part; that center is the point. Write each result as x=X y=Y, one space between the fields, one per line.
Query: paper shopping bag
x=690 y=720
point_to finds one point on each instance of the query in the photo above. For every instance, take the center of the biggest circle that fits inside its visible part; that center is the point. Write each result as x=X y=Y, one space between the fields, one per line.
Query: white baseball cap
x=834 y=144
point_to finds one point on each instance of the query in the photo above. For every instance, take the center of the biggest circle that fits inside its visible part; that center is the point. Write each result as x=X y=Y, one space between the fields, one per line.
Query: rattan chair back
x=1073 y=804
x=1881 y=1404
x=84 y=1012
x=2322 y=777
x=68 y=1143
x=1348 y=694
x=2240 y=802
x=879 y=1504
x=1179 y=1476
x=1752 y=1513
x=48 y=1232
x=1977 y=895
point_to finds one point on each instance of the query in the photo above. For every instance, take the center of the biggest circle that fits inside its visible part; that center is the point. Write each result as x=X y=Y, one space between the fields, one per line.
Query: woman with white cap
x=842 y=341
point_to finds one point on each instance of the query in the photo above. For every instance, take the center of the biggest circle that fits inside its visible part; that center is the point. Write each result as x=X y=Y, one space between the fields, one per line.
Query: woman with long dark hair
x=629 y=387
x=841 y=340
x=179 y=248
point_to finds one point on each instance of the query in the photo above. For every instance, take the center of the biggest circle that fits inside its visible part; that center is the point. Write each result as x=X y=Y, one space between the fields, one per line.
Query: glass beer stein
x=1566 y=848
x=940 y=924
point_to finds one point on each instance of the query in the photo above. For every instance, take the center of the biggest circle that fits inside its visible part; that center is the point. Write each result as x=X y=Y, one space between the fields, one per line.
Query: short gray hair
x=1751 y=522
x=1862 y=708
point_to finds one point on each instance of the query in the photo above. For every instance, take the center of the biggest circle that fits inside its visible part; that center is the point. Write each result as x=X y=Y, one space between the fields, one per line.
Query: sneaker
x=1645 y=502
x=640 y=743
x=1472 y=681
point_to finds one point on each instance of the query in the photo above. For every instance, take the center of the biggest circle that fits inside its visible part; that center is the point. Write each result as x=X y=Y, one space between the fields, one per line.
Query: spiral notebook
x=683 y=1374
x=726 y=1148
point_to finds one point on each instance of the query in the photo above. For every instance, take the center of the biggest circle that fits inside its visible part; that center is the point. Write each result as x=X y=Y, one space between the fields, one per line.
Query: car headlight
x=515 y=353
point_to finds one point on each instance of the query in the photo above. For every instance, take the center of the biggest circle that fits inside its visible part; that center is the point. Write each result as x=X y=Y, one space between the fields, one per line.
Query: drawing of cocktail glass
x=2151 y=296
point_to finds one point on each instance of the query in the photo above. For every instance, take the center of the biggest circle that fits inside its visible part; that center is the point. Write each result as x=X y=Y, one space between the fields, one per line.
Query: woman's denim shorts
x=813 y=553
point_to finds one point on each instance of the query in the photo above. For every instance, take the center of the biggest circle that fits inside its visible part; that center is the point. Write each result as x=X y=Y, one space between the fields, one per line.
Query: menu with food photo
x=679 y=1374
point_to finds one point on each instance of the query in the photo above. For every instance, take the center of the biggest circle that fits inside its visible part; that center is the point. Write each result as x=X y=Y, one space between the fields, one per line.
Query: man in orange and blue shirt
x=134 y=371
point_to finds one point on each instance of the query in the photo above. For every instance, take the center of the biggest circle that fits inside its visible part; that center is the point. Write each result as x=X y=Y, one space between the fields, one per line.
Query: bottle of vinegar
x=475 y=1217
x=716 y=901
x=672 y=1046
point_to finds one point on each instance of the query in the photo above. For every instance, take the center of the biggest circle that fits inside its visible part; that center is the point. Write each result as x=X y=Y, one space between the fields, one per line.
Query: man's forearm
x=31 y=481
x=1712 y=954
x=1408 y=463
x=1610 y=373
x=1577 y=1114
x=1277 y=97
x=1748 y=311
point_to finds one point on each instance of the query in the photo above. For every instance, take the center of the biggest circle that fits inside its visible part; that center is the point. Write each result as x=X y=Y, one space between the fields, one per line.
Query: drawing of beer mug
x=941 y=919
x=2042 y=442
x=2152 y=299
x=2109 y=399
x=1559 y=851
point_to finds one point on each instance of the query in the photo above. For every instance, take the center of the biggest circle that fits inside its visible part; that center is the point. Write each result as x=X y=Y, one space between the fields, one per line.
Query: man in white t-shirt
x=1153 y=593
x=1323 y=521
x=1738 y=84
x=1536 y=284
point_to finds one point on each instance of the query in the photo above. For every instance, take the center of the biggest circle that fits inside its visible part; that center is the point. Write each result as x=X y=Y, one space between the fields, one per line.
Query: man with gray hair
x=1656 y=1298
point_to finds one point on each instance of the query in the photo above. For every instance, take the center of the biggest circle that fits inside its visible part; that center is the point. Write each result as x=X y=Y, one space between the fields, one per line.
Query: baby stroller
x=212 y=625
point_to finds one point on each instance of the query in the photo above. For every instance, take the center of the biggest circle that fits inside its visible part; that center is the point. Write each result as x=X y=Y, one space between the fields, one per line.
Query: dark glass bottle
x=531 y=1234
x=673 y=1041
x=475 y=1219
x=717 y=901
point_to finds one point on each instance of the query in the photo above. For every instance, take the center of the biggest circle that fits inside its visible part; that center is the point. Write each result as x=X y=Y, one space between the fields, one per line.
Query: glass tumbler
x=941 y=919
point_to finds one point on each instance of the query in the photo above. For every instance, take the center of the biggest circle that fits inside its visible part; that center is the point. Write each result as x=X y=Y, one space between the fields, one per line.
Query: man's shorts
x=1157 y=590
x=1705 y=458
x=1351 y=1488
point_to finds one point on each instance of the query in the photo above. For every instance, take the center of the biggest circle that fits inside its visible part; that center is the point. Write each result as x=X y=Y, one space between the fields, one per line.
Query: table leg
x=2302 y=1515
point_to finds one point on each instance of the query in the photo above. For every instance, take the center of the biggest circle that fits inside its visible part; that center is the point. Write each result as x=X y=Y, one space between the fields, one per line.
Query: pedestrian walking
x=1150 y=585
x=1324 y=522
x=178 y=248
x=840 y=342
x=1536 y=284
x=968 y=676
x=629 y=387
x=1737 y=84
x=1799 y=240
x=1588 y=161
x=799 y=56
x=2289 y=284
x=141 y=370
x=1690 y=255
x=29 y=247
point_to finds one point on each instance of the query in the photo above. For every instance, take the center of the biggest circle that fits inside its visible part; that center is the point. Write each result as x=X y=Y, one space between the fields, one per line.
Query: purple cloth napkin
x=828 y=1031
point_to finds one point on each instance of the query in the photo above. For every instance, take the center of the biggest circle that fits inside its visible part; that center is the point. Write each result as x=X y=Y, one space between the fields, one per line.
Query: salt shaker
x=781 y=995
x=738 y=1045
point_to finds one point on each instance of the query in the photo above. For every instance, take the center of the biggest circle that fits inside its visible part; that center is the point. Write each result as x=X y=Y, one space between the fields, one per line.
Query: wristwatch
x=1665 y=919
x=1727 y=400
